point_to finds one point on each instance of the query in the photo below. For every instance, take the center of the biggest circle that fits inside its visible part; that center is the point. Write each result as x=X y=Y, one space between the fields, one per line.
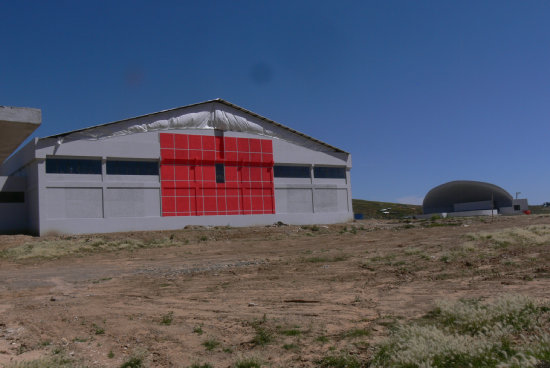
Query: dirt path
x=309 y=290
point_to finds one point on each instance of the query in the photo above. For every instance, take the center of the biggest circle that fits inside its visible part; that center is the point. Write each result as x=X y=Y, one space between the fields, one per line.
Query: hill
x=373 y=209
x=539 y=210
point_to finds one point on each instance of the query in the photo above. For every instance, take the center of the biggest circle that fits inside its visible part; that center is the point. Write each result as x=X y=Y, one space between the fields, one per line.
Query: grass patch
x=342 y=360
x=510 y=332
x=211 y=344
x=167 y=319
x=527 y=236
x=263 y=335
x=133 y=362
x=322 y=339
x=198 y=330
x=338 y=258
x=204 y=365
x=248 y=363
x=291 y=332
x=291 y=347
x=57 y=361
x=357 y=332
x=98 y=330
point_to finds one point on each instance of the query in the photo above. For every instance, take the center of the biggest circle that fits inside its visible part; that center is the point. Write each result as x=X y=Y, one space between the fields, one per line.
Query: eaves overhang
x=16 y=125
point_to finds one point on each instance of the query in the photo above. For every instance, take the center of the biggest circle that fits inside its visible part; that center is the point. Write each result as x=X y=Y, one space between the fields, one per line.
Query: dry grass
x=60 y=247
x=512 y=331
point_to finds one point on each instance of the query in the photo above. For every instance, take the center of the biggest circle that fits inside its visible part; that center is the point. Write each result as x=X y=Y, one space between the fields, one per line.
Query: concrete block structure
x=211 y=163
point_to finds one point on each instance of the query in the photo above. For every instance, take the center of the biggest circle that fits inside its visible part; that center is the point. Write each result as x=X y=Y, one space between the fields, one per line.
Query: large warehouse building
x=211 y=163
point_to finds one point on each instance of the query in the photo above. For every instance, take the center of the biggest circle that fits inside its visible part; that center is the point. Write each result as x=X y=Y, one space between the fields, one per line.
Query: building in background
x=211 y=163
x=471 y=198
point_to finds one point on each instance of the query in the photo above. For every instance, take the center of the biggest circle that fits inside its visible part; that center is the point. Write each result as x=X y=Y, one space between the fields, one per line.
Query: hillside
x=372 y=209
x=539 y=210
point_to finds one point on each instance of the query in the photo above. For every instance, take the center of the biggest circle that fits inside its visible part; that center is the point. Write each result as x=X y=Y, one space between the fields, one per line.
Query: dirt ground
x=286 y=295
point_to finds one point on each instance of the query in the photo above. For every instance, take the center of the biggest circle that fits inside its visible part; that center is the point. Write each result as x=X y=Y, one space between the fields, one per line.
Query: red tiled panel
x=167 y=155
x=195 y=142
x=167 y=140
x=180 y=141
x=256 y=174
x=209 y=156
x=208 y=143
x=188 y=175
x=267 y=145
x=230 y=144
x=168 y=204
x=255 y=145
x=182 y=172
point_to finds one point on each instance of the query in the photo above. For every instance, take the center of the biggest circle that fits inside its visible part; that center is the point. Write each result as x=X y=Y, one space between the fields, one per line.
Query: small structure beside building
x=471 y=198
x=16 y=125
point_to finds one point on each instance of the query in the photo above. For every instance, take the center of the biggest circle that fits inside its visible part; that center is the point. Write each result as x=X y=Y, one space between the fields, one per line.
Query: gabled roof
x=218 y=100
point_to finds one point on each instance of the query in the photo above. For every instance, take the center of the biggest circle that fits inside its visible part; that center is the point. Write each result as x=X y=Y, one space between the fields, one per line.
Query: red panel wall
x=188 y=175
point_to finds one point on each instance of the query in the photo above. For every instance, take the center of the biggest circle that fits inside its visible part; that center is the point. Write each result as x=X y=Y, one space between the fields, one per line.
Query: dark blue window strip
x=321 y=172
x=132 y=167
x=281 y=171
x=72 y=166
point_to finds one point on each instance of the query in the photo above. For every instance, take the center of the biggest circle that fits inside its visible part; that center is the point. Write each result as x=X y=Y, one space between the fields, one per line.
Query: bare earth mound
x=286 y=296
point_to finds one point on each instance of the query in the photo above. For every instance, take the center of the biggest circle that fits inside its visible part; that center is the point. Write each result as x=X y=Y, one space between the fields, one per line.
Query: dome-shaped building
x=466 y=197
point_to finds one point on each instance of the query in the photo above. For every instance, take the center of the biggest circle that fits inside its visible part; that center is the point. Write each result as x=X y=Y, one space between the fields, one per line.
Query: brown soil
x=308 y=291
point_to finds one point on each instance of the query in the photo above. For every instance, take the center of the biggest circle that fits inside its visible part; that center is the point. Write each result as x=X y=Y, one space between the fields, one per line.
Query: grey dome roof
x=443 y=197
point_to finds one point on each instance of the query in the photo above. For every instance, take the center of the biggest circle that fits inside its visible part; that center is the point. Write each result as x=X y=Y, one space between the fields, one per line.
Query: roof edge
x=222 y=101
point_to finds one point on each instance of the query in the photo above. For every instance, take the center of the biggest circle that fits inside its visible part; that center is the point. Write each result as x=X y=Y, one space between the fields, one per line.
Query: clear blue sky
x=420 y=92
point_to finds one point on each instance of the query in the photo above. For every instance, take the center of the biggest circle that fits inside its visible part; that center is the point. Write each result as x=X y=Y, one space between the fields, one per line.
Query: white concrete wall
x=76 y=203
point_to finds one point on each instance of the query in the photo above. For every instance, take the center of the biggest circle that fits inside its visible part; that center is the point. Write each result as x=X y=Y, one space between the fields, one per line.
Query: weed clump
x=133 y=362
x=342 y=360
x=211 y=344
x=166 y=319
x=509 y=332
x=248 y=363
x=263 y=335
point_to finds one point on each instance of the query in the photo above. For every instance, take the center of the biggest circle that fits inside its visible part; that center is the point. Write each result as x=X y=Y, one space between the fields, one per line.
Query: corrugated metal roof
x=203 y=103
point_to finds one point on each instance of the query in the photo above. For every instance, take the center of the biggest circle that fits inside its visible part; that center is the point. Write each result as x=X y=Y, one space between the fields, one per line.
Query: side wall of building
x=13 y=204
x=88 y=203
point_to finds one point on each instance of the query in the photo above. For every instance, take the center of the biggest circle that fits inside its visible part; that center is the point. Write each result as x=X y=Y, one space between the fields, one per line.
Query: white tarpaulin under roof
x=216 y=114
